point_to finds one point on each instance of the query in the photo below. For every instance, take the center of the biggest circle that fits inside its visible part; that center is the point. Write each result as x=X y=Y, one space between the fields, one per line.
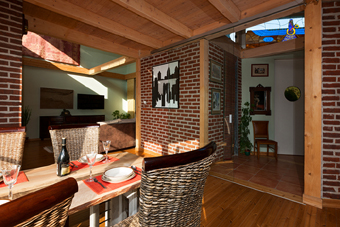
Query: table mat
x=83 y=166
x=21 y=178
x=98 y=189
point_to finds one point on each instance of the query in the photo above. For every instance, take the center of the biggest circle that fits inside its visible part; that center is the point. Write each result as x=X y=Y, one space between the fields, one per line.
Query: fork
x=95 y=180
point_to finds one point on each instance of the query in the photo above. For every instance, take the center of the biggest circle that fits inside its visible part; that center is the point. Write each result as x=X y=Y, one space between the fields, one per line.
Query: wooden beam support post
x=313 y=106
x=204 y=91
x=138 y=106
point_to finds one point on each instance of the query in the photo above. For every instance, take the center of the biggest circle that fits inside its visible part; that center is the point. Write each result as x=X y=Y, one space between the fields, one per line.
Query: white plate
x=118 y=173
x=3 y=201
x=117 y=181
x=99 y=158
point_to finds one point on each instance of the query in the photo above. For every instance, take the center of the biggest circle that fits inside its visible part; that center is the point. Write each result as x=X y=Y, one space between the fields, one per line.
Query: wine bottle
x=63 y=163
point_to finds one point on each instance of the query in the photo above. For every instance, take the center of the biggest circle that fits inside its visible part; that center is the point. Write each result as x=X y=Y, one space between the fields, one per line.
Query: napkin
x=21 y=178
x=83 y=166
x=98 y=189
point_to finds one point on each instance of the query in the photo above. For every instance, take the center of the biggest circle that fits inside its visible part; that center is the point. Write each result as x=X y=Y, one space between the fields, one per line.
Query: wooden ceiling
x=134 y=28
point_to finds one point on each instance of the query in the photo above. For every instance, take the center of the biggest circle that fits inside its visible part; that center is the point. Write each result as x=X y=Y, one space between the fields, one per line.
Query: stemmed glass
x=106 y=146
x=10 y=175
x=91 y=159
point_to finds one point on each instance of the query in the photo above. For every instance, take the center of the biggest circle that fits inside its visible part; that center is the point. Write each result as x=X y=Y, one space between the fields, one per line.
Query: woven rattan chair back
x=79 y=139
x=172 y=195
x=12 y=141
x=44 y=208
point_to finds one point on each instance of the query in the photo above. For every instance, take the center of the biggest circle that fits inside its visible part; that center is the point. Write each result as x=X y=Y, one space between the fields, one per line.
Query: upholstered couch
x=121 y=132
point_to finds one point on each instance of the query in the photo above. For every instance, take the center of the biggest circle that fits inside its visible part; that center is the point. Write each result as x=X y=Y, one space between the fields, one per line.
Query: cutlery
x=73 y=164
x=95 y=180
x=136 y=170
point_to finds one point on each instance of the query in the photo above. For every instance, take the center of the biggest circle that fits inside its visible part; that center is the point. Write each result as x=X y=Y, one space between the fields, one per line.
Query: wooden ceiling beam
x=68 y=68
x=111 y=64
x=263 y=7
x=70 y=10
x=242 y=26
x=274 y=49
x=130 y=76
x=228 y=9
x=153 y=14
x=48 y=28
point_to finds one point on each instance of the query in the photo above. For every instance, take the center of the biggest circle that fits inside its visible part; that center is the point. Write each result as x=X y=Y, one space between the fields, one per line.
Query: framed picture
x=215 y=71
x=258 y=70
x=165 y=85
x=215 y=101
x=260 y=100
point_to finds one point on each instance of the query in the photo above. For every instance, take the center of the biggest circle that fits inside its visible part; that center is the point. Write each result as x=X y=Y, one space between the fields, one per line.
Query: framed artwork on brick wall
x=215 y=101
x=165 y=85
x=215 y=71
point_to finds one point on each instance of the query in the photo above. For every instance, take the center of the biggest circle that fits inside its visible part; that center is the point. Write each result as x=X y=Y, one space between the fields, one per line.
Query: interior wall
x=114 y=90
x=289 y=116
x=248 y=81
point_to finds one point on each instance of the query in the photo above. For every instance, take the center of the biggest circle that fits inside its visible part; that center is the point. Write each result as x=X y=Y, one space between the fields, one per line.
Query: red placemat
x=98 y=189
x=83 y=166
x=21 y=178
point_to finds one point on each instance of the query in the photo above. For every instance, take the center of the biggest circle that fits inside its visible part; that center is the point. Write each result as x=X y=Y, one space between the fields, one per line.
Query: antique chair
x=172 y=189
x=46 y=207
x=12 y=140
x=79 y=139
x=261 y=137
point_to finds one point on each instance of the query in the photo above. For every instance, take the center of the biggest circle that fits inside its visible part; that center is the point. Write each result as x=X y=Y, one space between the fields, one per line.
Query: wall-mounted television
x=90 y=101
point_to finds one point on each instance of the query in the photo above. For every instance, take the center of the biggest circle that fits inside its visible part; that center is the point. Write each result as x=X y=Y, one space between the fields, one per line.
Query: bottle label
x=64 y=169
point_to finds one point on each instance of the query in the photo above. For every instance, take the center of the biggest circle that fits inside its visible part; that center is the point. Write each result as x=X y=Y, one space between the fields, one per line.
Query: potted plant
x=245 y=144
x=117 y=115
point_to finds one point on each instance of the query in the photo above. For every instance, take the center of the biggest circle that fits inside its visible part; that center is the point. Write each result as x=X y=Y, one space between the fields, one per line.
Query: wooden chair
x=261 y=137
x=172 y=189
x=46 y=207
x=12 y=141
x=79 y=139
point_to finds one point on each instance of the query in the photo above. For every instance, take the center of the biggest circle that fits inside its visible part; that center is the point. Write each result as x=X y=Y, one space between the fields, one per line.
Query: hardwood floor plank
x=263 y=215
x=299 y=215
x=291 y=218
x=237 y=218
x=331 y=218
x=255 y=213
x=320 y=218
x=283 y=213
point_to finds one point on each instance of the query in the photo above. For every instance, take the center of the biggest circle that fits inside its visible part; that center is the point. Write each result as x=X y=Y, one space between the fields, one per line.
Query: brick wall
x=10 y=62
x=169 y=131
x=331 y=100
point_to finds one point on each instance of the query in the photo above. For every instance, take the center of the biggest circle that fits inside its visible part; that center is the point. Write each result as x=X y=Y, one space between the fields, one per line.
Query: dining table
x=41 y=177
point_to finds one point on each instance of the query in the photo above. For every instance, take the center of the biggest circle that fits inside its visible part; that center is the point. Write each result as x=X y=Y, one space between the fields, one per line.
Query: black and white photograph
x=165 y=85
x=215 y=101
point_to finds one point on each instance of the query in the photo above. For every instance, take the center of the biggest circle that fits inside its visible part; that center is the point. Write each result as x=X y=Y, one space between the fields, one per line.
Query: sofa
x=121 y=132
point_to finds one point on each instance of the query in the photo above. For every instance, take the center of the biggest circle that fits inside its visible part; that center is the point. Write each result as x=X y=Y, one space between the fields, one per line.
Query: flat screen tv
x=90 y=101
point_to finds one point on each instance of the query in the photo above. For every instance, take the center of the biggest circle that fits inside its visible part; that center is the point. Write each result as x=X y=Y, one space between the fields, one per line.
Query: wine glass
x=106 y=146
x=10 y=175
x=91 y=159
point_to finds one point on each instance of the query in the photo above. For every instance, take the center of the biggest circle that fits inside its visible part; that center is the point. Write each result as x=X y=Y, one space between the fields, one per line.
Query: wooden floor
x=224 y=204
x=229 y=204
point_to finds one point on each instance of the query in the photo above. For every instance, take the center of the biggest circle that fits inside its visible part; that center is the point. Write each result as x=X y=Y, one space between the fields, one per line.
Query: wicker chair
x=80 y=138
x=12 y=141
x=172 y=189
x=46 y=207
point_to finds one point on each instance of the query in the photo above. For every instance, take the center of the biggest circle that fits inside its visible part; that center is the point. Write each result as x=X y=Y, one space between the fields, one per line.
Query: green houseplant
x=26 y=115
x=116 y=115
x=245 y=144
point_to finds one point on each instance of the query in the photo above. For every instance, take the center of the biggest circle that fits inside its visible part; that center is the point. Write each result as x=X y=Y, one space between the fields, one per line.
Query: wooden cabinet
x=46 y=121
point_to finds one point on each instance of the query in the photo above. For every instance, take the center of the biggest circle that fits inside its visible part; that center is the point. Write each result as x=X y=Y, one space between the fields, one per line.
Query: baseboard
x=331 y=203
x=313 y=201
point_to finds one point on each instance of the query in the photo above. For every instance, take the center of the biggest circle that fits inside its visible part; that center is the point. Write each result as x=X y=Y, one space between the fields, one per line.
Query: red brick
x=327 y=189
x=328 y=42
x=329 y=177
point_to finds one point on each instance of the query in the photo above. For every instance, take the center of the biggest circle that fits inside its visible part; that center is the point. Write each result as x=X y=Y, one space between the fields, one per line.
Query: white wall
x=248 y=81
x=289 y=117
x=114 y=90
